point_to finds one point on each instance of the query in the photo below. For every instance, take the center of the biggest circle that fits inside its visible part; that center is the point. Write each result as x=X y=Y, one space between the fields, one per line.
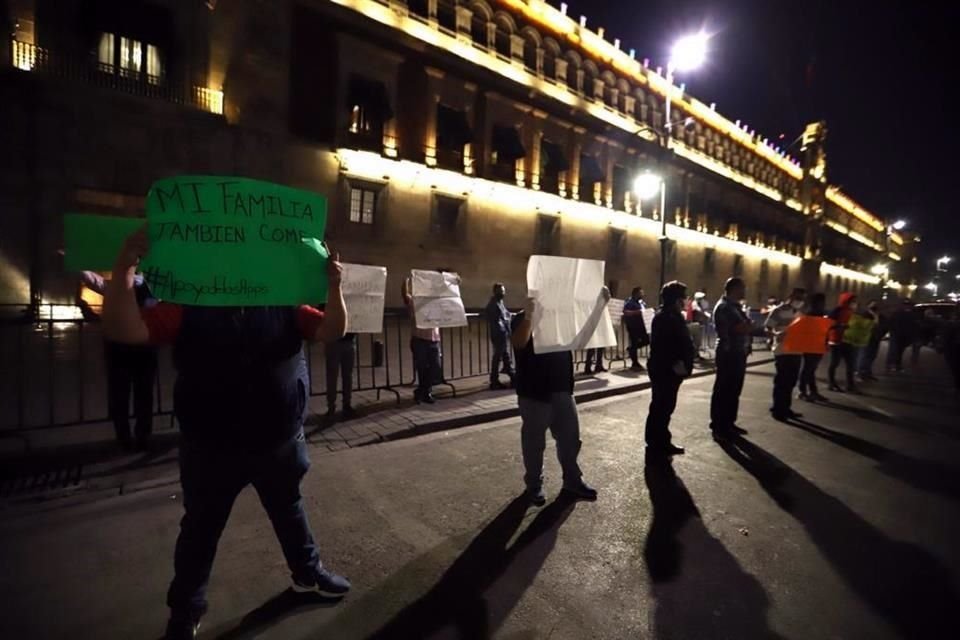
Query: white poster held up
x=363 y=289
x=616 y=311
x=648 y=314
x=570 y=312
x=436 y=300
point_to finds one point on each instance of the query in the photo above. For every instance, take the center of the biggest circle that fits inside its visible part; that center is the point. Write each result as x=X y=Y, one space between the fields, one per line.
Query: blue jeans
x=212 y=477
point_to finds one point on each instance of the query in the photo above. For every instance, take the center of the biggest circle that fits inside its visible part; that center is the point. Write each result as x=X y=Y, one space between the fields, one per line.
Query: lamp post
x=646 y=186
x=687 y=54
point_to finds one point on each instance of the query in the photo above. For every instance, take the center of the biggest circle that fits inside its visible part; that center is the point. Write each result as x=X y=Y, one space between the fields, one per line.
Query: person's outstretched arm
x=121 y=315
x=334 y=325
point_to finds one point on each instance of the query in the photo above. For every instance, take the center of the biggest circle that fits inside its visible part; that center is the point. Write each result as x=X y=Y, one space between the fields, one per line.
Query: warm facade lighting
x=516 y=200
x=210 y=99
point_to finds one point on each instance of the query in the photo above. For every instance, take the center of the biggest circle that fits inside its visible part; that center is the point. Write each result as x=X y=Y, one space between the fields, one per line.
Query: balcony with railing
x=89 y=70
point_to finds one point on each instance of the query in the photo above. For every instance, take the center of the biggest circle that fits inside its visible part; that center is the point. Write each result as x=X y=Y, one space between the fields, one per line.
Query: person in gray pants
x=340 y=357
x=544 y=384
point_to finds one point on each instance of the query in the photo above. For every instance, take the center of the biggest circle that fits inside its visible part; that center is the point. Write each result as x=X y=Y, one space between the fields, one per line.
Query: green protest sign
x=223 y=241
x=217 y=241
x=92 y=242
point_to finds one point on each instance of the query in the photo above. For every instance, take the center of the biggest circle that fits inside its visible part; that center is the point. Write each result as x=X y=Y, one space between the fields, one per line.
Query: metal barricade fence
x=52 y=370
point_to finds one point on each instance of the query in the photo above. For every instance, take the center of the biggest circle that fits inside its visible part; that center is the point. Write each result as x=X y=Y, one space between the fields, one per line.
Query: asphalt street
x=843 y=525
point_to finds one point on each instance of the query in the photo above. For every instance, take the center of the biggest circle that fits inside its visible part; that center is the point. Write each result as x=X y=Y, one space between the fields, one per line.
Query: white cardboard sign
x=364 y=288
x=570 y=312
x=436 y=300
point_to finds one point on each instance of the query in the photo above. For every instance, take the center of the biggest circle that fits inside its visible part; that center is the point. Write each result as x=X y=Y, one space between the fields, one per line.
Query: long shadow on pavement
x=278 y=608
x=903 y=583
x=699 y=587
x=481 y=587
x=908 y=424
x=925 y=475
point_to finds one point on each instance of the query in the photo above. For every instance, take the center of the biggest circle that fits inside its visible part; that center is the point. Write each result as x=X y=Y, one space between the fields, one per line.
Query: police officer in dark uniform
x=671 y=360
x=240 y=399
x=733 y=346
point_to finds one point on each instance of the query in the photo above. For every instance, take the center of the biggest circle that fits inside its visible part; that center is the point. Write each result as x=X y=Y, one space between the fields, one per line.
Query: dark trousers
x=634 y=345
x=130 y=366
x=727 y=386
x=212 y=478
x=591 y=355
x=340 y=358
x=868 y=355
x=847 y=354
x=788 y=372
x=501 y=354
x=663 y=401
x=808 y=374
x=899 y=344
x=426 y=360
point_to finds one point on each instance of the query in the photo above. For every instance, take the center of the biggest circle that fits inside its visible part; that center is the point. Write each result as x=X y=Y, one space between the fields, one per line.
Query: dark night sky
x=880 y=74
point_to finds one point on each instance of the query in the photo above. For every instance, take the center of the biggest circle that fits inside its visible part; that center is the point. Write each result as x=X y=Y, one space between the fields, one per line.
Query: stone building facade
x=446 y=133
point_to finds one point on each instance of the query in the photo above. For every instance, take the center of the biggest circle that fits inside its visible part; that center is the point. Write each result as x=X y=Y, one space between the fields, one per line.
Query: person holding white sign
x=671 y=360
x=545 y=395
x=425 y=346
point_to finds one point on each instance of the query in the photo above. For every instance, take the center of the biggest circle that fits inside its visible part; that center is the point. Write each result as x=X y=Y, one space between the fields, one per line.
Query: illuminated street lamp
x=646 y=186
x=899 y=225
x=945 y=260
x=688 y=53
x=931 y=286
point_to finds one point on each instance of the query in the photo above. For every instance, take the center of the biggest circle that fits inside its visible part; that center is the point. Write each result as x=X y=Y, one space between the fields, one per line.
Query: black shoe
x=804 y=396
x=819 y=398
x=580 y=491
x=636 y=367
x=601 y=369
x=780 y=417
x=428 y=399
x=587 y=370
x=835 y=388
x=331 y=410
x=723 y=435
x=497 y=386
x=349 y=413
x=666 y=450
x=181 y=628
x=793 y=415
x=536 y=496
x=738 y=430
x=324 y=582
x=854 y=390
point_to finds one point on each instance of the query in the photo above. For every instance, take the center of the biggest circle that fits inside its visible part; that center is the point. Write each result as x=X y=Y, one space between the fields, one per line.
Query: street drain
x=41 y=482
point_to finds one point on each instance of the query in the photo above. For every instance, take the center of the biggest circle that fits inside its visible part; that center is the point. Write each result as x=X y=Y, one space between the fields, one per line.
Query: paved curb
x=513 y=412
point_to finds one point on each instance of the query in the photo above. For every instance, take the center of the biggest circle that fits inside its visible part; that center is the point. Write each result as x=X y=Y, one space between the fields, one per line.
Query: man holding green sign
x=242 y=386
